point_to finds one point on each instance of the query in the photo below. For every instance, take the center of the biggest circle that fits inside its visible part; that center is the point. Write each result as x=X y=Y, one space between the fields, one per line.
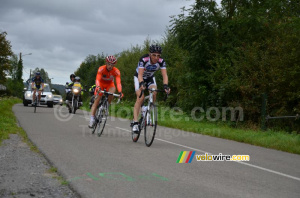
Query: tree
x=5 y=53
x=44 y=74
x=237 y=52
x=13 y=67
x=87 y=70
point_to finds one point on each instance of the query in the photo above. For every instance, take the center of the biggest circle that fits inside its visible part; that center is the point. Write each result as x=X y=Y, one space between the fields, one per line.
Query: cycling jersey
x=149 y=69
x=106 y=78
x=37 y=82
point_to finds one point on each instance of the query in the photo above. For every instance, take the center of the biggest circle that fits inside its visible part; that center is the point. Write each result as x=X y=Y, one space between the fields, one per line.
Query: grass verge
x=8 y=125
x=279 y=140
x=54 y=173
x=8 y=121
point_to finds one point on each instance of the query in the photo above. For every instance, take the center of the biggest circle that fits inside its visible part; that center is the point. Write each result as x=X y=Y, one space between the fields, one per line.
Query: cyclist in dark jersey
x=37 y=83
x=144 y=78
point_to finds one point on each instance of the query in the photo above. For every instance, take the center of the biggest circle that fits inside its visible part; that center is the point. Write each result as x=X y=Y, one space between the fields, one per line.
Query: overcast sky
x=61 y=33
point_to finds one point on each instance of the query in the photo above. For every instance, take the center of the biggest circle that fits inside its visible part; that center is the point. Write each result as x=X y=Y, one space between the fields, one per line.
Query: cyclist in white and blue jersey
x=144 y=78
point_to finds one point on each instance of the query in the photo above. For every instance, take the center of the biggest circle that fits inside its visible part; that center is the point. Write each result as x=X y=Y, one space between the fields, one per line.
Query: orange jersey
x=107 y=77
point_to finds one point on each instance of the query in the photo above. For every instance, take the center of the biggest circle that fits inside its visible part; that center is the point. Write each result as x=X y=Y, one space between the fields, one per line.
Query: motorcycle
x=74 y=104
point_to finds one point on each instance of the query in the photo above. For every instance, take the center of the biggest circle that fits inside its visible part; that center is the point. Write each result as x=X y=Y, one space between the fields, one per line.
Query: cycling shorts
x=105 y=86
x=38 y=87
x=148 y=82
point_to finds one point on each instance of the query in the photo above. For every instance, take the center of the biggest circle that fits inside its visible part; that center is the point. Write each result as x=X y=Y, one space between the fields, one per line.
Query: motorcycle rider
x=68 y=88
x=78 y=84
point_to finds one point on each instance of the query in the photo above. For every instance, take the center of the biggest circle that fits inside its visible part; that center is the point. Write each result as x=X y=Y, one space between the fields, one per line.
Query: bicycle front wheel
x=150 y=124
x=35 y=104
x=102 y=118
x=35 y=107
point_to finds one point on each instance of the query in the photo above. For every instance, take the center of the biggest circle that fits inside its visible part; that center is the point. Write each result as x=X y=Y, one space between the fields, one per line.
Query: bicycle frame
x=99 y=113
x=36 y=98
x=150 y=101
x=148 y=118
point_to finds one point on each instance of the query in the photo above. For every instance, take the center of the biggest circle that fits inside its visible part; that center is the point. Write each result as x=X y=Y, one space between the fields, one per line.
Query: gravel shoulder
x=25 y=173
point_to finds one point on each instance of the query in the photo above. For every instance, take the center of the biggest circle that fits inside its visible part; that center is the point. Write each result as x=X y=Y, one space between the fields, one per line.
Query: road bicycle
x=148 y=118
x=36 y=100
x=102 y=111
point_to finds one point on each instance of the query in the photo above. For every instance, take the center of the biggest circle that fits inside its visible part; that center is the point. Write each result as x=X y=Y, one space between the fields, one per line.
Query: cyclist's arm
x=32 y=85
x=118 y=81
x=98 y=77
x=165 y=76
x=140 y=76
x=42 y=86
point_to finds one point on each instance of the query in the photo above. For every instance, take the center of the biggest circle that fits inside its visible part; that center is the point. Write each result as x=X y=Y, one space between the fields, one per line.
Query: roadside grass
x=54 y=173
x=8 y=125
x=279 y=140
x=8 y=121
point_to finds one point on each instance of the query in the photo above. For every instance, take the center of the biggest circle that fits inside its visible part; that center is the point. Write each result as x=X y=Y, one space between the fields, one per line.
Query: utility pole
x=19 y=72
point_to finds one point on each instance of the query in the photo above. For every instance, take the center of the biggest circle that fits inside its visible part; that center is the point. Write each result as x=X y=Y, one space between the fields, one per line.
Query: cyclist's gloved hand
x=121 y=95
x=142 y=85
x=97 y=89
x=167 y=88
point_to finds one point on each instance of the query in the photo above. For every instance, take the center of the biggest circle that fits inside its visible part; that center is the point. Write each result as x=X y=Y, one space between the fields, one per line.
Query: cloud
x=60 y=34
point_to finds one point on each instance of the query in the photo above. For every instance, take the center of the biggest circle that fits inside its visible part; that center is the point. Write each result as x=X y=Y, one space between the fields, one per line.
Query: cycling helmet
x=77 y=78
x=111 y=59
x=72 y=76
x=155 y=49
x=37 y=73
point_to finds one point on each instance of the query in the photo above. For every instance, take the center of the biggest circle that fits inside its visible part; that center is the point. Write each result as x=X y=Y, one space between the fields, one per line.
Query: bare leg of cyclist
x=154 y=93
x=33 y=96
x=40 y=95
x=137 y=105
x=93 y=110
x=95 y=105
x=111 y=90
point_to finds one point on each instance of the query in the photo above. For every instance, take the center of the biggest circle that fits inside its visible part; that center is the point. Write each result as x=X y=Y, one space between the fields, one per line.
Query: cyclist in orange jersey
x=105 y=80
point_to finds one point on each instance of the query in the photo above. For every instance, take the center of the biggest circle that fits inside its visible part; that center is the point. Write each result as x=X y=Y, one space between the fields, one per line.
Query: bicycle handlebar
x=106 y=92
x=152 y=90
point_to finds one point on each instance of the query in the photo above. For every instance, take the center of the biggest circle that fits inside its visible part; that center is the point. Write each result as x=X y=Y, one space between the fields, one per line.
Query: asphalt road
x=113 y=166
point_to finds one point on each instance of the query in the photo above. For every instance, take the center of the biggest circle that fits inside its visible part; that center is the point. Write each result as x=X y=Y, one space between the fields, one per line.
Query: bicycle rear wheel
x=150 y=124
x=102 y=118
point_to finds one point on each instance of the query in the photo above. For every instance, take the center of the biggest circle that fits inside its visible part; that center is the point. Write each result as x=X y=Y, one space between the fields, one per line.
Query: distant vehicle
x=57 y=99
x=46 y=99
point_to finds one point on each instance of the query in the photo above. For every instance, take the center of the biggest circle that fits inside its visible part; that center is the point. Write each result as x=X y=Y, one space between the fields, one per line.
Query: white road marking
x=244 y=163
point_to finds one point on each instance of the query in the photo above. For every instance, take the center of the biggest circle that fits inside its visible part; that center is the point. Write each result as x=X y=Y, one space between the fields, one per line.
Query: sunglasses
x=110 y=64
x=156 y=55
